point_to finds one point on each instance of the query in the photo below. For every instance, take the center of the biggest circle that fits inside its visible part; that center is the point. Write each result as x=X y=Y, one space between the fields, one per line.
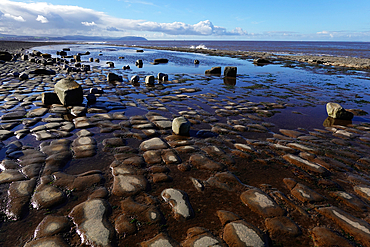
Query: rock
x=226 y=217
x=47 y=196
x=226 y=181
x=356 y=227
x=240 y=233
x=363 y=191
x=336 y=111
x=161 y=240
x=5 y=134
x=50 y=98
x=350 y=200
x=282 y=226
x=153 y=144
x=149 y=80
x=77 y=58
x=213 y=71
x=125 y=67
x=11 y=175
x=111 y=77
x=302 y=192
x=139 y=62
x=54 y=241
x=305 y=164
x=43 y=72
x=19 y=196
x=134 y=79
x=69 y=92
x=93 y=226
x=323 y=237
x=261 y=203
x=160 y=60
x=198 y=236
x=202 y=162
x=181 y=126
x=230 y=71
x=261 y=61
x=5 y=56
x=162 y=77
x=196 y=61
x=127 y=185
x=124 y=226
x=179 y=202
x=51 y=225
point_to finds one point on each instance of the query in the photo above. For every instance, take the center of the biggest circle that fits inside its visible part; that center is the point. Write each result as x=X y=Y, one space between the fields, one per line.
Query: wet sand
x=112 y=173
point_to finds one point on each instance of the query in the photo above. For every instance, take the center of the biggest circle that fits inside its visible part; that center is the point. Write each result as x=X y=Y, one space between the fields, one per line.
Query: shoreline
x=19 y=46
x=349 y=62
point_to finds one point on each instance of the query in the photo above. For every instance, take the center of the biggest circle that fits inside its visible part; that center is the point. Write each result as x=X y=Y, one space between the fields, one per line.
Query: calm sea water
x=350 y=49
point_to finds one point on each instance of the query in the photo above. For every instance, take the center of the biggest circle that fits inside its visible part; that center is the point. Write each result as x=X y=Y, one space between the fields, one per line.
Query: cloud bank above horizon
x=43 y=18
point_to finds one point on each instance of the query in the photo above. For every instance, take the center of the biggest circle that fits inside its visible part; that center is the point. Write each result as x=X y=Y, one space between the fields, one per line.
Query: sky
x=327 y=20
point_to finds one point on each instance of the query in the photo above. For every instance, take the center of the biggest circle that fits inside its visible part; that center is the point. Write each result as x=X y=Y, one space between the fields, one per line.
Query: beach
x=246 y=156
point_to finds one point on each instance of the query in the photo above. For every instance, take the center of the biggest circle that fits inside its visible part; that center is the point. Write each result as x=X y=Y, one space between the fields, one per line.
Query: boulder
x=69 y=92
x=114 y=77
x=213 y=71
x=181 y=126
x=134 y=79
x=149 y=80
x=43 y=72
x=261 y=61
x=162 y=77
x=196 y=61
x=230 y=71
x=111 y=64
x=50 y=98
x=139 y=62
x=160 y=60
x=5 y=56
x=336 y=111
x=77 y=58
x=126 y=67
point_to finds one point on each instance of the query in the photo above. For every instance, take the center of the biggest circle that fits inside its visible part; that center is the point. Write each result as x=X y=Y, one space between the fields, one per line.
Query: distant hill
x=71 y=37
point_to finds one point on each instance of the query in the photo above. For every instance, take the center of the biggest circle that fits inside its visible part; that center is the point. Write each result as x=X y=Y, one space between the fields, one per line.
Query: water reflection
x=329 y=121
x=230 y=81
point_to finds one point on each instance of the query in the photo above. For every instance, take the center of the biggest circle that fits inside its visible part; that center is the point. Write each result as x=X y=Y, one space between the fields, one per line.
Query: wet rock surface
x=245 y=166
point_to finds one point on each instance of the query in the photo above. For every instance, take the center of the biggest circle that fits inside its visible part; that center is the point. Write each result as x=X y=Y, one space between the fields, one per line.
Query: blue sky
x=192 y=20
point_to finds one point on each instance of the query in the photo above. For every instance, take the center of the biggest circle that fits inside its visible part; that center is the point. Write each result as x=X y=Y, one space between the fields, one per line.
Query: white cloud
x=16 y=18
x=88 y=24
x=58 y=20
x=42 y=19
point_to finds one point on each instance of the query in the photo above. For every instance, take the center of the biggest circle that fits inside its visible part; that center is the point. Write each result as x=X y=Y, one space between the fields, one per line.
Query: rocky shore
x=123 y=170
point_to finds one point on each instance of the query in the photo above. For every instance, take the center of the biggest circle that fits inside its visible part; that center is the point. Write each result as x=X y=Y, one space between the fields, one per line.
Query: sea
x=321 y=48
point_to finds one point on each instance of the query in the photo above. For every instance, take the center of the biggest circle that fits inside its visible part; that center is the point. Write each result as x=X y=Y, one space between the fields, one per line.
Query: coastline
x=19 y=46
x=349 y=62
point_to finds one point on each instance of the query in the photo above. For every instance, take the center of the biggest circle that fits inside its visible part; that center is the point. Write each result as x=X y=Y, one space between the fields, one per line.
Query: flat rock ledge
x=92 y=224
